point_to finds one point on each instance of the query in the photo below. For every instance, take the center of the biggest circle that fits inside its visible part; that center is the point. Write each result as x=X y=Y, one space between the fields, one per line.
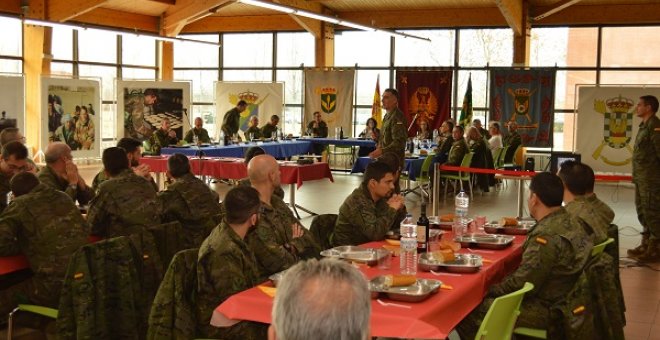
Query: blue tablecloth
x=413 y=166
x=284 y=149
x=347 y=141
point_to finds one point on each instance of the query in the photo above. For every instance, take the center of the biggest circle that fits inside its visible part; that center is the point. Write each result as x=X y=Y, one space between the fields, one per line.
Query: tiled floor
x=641 y=285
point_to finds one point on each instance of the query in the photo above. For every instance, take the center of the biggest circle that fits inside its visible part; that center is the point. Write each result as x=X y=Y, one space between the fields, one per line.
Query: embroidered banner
x=330 y=93
x=424 y=95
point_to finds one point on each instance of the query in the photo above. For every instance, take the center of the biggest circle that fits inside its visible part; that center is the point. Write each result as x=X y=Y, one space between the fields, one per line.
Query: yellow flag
x=376 y=109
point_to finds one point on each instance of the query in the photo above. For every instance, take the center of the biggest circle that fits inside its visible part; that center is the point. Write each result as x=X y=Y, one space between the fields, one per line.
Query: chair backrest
x=426 y=166
x=467 y=160
x=499 y=162
x=599 y=248
x=502 y=315
x=322 y=227
x=496 y=156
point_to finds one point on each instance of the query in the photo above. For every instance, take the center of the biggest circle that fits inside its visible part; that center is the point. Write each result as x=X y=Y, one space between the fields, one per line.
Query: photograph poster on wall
x=12 y=102
x=142 y=106
x=71 y=114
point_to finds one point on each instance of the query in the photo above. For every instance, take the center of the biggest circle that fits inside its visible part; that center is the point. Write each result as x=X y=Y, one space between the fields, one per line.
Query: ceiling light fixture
x=326 y=18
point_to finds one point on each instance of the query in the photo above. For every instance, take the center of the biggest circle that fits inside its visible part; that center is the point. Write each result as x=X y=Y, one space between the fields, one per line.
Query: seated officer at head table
x=279 y=240
x=226 y=265
x=133 y=148
x=201 y=133
x=270 y=127
x=253 y=129
x=44 y=225
x=14 y=160
x=580 y=200
x=322 y=300
x=189 y=201
x=555 y=252
x=371 y=210
x=61 y=173
x=126 y=203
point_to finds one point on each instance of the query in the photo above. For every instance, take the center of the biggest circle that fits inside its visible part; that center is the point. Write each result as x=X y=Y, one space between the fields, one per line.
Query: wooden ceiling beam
x=10 y=6
x=250 y=23
x=312 y=26
x=120 y=19
x=63 y=10
x=512 y=10
x=450 y=17
x=186 y=12
x=602 y=14
x=167 y=2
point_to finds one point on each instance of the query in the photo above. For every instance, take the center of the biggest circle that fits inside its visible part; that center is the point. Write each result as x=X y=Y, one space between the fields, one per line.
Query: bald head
x=261 y=167
x=55 y=151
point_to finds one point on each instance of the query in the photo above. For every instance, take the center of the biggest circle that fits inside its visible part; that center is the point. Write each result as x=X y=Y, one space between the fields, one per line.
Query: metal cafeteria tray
x=486 y=241
x=419 y=291
x=435 y=222
x=520 y=229
x=464 y=263
x=370 y=256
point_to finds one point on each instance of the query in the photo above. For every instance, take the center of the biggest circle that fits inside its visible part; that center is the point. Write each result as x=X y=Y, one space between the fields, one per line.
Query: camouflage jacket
x=50 y=178
x=255 y=130
x=225 y=266
x=362 y=220
x=201 y=134
x=189 y=201
x=45 y=226
x=394 y=134
x=598 y=217
x=272 y=240
x=231 y=122
x=268 y=129
x=161 y=139
x=458 y=150
x=512 y=140
x=320 y=131
x=102 y=177
x=646 y=155
x=4 y=190
x=126 y=204
x=444 y=145
x=554 y=254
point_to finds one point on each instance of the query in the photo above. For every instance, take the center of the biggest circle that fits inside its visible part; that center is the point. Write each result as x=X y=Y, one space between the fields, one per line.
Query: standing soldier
x=394 y=133
x=646 y=162
x=232 y=119
x=512 y=140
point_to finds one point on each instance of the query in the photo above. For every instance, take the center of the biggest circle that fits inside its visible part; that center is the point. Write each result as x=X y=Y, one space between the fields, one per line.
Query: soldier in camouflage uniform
x=133 y=148
x=46 y=233
x=232 y=119
x=13 y=161
x=458 y=149
x=254 y=129
x=226 y=266
x=554 y=254
x=270 y=127
x=578 y=179
x=188 y=200
x=61 y=174
x=371 y=210
x=512 y=140
x=279 y=240
x=249 y=154
x=136 y=108
x=162 y=138
x=646 y=162
x=126 y=203
x=394 y=132
x=199 y=131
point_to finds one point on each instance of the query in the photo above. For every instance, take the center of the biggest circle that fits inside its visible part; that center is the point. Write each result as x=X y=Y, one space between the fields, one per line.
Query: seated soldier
x=270 y=127
x=61 y=174
x=226 y=266
x=11 y=134
x=371 y=210
x=253 y=129
x=198 y=131
x=188 y=200
x=162 y=137
x=126 y=203
x=44 y=225
x=133 y=148
x=458 y=150
x=251 y=153
x=279 y=240
x=554 y=254
x=14 y=160
x=580 y=200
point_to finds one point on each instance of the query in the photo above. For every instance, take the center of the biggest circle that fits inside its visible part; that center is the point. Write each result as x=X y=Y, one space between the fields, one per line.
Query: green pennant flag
x=466 y=111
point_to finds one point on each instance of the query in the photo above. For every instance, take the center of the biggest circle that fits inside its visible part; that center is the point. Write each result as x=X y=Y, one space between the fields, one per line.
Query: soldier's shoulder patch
x=78 y=276
x=399 y=123
x=657 y=129
x=541 y=240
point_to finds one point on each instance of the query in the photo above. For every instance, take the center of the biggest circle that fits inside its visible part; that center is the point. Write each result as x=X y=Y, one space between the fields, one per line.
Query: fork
x=383 y=303
x=448 y=274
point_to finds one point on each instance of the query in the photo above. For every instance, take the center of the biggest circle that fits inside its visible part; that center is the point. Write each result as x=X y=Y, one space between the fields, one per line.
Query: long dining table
x=433 y=318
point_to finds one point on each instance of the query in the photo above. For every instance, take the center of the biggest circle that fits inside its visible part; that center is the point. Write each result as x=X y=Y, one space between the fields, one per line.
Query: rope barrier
x=521 y=173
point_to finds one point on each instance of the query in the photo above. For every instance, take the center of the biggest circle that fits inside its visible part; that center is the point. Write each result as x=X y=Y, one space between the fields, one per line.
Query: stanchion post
x=436 y=188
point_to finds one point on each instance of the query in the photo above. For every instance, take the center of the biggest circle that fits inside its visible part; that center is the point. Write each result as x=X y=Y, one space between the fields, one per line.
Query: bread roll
x=447 y=218
x=398 y=280
x=444 y=255
x=508 y=221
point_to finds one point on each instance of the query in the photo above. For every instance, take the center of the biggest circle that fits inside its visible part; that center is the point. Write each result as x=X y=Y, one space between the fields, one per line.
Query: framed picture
x=70 y=111
x=264 y=99
x=12 y=102
x=143 y=105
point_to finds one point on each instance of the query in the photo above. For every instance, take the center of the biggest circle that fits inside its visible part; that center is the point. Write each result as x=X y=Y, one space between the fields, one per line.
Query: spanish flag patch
x=78 y=276
x=656 y=129
x=578 y=310
x=541 y=240
x=145 y=256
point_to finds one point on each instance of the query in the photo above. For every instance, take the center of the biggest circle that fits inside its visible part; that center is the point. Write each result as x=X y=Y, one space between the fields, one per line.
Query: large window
x=11 y=45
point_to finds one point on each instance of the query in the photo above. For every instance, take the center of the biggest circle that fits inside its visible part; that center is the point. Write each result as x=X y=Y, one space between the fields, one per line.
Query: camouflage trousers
x=533 y=313
x=647 y=202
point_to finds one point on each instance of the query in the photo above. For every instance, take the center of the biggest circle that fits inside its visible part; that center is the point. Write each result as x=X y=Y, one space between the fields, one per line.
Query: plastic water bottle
x=461 y=207
x=408 y=246
x=221 y=138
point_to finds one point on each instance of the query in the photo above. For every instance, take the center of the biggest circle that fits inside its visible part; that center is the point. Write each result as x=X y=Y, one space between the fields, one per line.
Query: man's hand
x=172 y=134
x=297 y=230
x=71 y=172
x=376 y=153
x=143 y=170
x=396 y=202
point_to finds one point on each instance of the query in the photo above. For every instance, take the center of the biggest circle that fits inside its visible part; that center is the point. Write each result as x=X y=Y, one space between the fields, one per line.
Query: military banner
x=263 y=99
x=424 y=96
x=526 y=97
x=330 y=93
x=607 y=125
x=71 y=113
x=143 y=105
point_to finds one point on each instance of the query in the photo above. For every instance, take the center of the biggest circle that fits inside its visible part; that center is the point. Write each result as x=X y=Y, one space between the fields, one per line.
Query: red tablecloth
x=432 y=318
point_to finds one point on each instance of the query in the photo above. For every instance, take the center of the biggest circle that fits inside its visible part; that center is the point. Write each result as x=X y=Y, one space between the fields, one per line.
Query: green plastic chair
x=496 y=157
x=34 y=309
x=423 y=179
x=502 y=315
x=531 y=332
x=599 y=248
x=460 y=177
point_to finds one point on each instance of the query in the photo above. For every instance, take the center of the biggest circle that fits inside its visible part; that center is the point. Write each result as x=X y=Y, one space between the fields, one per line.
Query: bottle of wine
x=423 y=230
x=341 y=133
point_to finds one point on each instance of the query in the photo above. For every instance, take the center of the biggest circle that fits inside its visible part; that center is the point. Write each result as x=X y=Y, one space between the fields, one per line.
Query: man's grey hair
x=322 y=300
x=55 y=151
